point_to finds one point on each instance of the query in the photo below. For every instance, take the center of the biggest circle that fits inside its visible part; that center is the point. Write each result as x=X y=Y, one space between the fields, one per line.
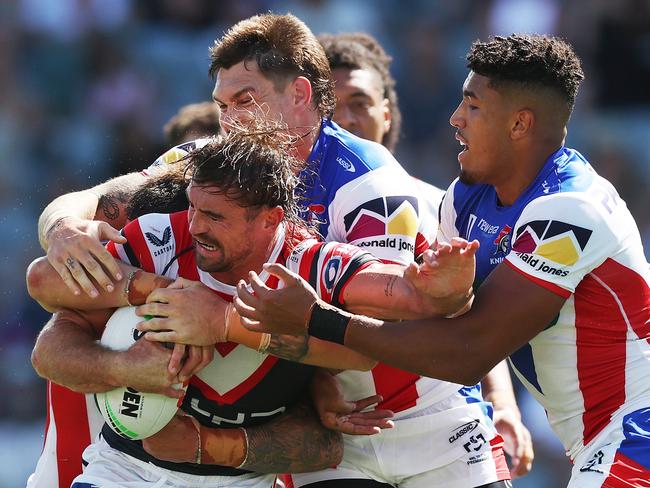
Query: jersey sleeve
x=560 y=238
x=328 y=267
x=447 y=217
x=151 y=243
x=382 y=212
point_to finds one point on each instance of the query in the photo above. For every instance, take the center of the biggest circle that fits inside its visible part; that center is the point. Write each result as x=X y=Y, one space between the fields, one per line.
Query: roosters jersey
x=569 y=232
x=361 y=195
x=240 y=387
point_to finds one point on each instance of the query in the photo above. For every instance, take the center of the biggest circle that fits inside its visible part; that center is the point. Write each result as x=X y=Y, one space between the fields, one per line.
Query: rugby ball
x=130 y=413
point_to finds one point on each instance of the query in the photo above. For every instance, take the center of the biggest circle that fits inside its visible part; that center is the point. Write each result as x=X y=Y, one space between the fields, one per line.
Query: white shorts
x=454 y=448
x=110 y=468
x=618 y=457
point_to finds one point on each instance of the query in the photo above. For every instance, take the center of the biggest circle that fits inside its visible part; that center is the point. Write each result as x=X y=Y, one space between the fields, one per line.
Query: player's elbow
x=39 y=279
x=38 y=363
x=464 y=372
x=474 y=373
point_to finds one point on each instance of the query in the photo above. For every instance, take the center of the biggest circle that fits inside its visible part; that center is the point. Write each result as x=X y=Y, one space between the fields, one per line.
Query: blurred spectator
x=192 y=121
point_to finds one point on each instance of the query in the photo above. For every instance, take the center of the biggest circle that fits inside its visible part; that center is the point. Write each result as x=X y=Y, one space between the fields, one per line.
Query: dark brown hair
x=253 y=167
x=283 y=47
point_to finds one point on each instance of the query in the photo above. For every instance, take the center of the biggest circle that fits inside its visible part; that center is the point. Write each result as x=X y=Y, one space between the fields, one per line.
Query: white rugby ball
x=130 y=413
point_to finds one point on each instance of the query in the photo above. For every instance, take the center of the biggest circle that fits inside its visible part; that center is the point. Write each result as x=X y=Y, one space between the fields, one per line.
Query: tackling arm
x=72 y=227
x=67 y=353
x=478 y=340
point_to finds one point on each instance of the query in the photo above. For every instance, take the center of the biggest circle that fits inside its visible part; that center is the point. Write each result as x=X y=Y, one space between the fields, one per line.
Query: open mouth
x=462 y=142
x=205 y=245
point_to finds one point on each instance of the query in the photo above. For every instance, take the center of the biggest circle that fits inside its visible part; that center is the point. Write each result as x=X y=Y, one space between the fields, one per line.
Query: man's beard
x=212 y=266
x=468 y=178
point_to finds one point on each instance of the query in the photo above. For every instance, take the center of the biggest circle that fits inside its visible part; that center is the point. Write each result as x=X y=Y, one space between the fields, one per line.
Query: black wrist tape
x=328 y=323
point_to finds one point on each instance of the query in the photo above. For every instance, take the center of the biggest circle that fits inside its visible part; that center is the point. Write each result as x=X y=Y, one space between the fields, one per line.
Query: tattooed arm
x=293 y=442
x=71 y=227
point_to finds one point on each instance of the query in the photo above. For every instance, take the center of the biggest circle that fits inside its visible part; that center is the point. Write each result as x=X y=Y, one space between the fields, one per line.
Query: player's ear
x=522 y=124
x=273 y=217
x=301 y=91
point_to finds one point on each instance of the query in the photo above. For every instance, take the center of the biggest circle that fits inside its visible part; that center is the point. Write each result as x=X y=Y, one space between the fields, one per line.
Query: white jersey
x=360 y=194
x=572 y=234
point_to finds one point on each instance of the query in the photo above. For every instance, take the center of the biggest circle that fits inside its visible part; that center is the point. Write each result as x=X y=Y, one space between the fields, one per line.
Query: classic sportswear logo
x=459 y=432
x=383 y=218
x=159 y=242
x=540 y=241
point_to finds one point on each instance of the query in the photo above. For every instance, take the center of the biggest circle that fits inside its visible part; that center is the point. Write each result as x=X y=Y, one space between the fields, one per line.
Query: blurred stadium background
x=86 y=85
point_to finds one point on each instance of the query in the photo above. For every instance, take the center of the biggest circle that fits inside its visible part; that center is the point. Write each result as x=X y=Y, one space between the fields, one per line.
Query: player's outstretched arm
x=67 y=353
x=477 y=340
x=72 y=227
x=187 y=312
x=293 y=442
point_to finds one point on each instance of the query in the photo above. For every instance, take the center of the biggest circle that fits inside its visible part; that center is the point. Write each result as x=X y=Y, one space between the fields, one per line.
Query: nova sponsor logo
x=551 y=240
x=462 y=430
x=392 y=220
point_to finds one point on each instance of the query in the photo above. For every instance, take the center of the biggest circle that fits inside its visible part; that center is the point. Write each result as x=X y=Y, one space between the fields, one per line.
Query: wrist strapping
x=328 y=323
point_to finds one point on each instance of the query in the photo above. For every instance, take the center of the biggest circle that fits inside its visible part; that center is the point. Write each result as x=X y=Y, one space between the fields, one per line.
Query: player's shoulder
x=350 y=156
x=159 y=229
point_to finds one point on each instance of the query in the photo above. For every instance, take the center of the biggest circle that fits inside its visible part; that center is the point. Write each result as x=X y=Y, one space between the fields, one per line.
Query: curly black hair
x=535 y=61
x=282 y=46
x=358 y=50
x=253 y=166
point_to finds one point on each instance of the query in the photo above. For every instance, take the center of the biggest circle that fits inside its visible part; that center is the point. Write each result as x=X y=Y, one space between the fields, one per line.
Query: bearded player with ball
x=242 y=214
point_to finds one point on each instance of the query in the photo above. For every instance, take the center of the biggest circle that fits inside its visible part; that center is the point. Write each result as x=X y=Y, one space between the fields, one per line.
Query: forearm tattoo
x=295 y=442
x=293 y=348
x=388 y=291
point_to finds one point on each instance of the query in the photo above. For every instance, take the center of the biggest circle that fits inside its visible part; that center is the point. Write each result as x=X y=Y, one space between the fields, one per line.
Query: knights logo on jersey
x=502 y=242
x=540 y=241
x=385 y=218
x=162 y=240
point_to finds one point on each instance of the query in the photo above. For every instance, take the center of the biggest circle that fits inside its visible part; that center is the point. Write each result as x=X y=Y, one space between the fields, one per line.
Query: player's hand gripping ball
x=130 y=413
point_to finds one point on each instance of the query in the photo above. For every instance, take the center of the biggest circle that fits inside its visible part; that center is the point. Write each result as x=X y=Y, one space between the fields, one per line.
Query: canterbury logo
x=153 y=238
